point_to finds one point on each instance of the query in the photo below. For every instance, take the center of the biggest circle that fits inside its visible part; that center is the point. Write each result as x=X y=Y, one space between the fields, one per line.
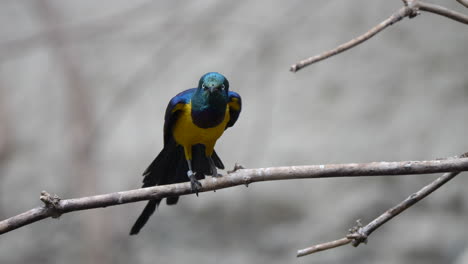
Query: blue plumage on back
x=171 y=116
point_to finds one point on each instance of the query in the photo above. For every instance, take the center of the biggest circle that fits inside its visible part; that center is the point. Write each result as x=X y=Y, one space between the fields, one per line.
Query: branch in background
x=54 y=207
x=360 y=234
x=440 y=10
x=7 y=147
x=399 y=15
x=84 y=31
x=409 y=10
x=463 y=2
x=324 y=246
x=80 y=120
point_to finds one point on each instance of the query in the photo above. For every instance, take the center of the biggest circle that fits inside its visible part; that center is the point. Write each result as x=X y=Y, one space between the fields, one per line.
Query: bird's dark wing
x=172 y=111
x=235 y=106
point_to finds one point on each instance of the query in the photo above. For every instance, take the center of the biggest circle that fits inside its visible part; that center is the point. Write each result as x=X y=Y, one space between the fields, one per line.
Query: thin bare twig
x=409 y=10
x=238 y=177
x=463 y=2
x=324 y=246
x=361 y=234
x=399 y=15
x=440 y=10
x=399 y=208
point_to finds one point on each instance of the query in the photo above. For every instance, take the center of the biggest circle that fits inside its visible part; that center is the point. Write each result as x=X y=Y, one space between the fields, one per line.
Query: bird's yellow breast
x=187 y=134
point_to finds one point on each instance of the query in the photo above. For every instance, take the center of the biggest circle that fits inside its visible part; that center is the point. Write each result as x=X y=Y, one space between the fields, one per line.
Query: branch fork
x=356 y=234
x=411 y=9
x=359 y=234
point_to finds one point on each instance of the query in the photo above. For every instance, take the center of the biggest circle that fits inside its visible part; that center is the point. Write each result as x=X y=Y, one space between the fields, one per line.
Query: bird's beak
x=214 y=89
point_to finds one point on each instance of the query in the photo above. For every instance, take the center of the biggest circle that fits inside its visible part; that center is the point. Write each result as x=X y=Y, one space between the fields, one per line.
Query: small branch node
x=414 y=13
x=356 y=234
x=247 y=180
x=355 y=228
x=358 y=237
x=51 y=202
x=237 y=167
x=413 y=5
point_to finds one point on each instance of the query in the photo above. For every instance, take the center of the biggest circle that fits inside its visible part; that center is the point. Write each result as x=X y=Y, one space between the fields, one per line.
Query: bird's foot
x=216 y=174
x=214 y=169
x=194 y=183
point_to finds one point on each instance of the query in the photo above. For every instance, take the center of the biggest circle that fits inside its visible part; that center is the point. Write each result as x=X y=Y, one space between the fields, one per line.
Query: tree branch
x=399 y=208
x=324 y=246
x=360 y=234
x=54 y=206
x=399 y=15
x=409 y=10
x=440 y=10
x=463 y=2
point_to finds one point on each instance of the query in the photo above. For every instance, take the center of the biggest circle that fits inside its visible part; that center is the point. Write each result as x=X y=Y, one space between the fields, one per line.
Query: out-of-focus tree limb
x=7 y=141
x=84 y=31
x=463 y=2
x=6 y=138
x=54 y=206
x=80 y=121
x=411 y=9
x=397 y=16
x=360 y=234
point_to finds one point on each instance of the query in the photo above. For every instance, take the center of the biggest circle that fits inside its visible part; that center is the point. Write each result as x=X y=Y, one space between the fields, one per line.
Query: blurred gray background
x=83 y=88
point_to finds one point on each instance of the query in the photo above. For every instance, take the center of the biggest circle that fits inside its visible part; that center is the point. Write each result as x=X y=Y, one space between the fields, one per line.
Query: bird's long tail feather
x=155 y=174
x=170 y=166
x=145 y=215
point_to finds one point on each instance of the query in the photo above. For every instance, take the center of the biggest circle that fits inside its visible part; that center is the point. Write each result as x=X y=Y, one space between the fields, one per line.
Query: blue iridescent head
x=210 y=100
x=213 y=82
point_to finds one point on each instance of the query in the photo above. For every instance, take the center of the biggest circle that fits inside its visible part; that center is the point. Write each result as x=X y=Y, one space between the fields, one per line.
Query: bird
x=194 y=120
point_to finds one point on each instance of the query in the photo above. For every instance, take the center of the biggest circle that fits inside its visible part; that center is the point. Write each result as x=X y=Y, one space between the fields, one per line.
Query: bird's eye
x=204 y=87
